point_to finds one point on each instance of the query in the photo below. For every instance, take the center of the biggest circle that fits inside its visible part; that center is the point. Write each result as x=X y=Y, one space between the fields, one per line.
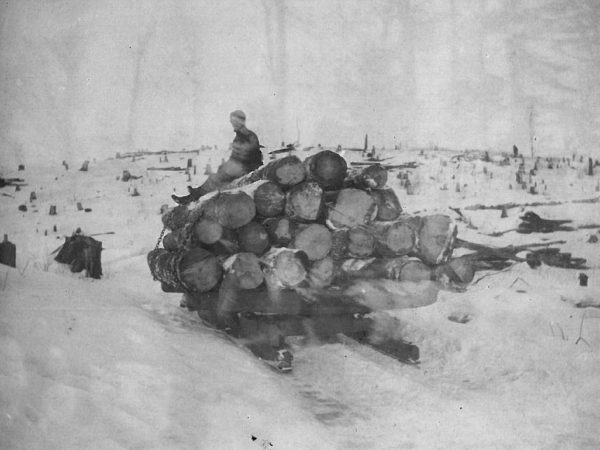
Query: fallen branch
x=176 y=169
x=522 y=205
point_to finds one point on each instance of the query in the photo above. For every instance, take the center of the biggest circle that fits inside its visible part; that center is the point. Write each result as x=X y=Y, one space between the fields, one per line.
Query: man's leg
x=226 y=173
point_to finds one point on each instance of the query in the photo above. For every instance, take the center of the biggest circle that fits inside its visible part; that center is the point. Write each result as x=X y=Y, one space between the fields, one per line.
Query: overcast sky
x=87 y=78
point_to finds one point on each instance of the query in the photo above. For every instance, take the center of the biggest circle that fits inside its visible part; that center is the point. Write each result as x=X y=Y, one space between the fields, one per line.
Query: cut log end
x=352 y=208
x=253 y=238
x=327 y=168
x=314 y=240
x=304 y=202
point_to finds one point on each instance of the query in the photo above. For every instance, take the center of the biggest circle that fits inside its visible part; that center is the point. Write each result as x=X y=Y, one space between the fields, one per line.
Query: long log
x=370 y=177
x=285 y=172
x=245 y=268
x=304 y=202
x=353 y=207
x=388 y=205
x=230 y=209
x=314 y=240
x=399 y=269
x=326 y=168
x=253 y=238
x=196 y=270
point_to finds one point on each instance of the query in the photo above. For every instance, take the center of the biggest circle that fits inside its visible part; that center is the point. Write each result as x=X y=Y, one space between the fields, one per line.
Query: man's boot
x=194 y=194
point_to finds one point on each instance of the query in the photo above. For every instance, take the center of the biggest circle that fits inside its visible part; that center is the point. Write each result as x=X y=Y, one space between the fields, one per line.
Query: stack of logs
x=293 y=224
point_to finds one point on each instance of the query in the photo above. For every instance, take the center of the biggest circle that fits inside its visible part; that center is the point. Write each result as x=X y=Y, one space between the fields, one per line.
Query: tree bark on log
x=253 y=238
x=369 y=177
x=353 y=207
x=196 y=270
x=339 y=244
x=326 y=168
x=388 y=205
x=245 y=268
x=304 y=202
x=314 y=240
x=399 y=269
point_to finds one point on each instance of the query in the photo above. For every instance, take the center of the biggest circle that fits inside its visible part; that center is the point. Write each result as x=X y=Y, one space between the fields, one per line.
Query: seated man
x=245 y=157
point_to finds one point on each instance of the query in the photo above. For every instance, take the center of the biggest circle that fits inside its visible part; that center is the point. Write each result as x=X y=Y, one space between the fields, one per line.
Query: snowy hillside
x=116 y=363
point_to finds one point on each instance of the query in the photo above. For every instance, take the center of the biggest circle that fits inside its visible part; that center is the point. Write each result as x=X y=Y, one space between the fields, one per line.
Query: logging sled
x=310 y=248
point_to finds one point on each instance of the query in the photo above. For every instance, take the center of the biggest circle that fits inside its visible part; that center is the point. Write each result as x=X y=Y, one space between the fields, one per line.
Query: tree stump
x=84 y=166
x=8 y=253
x=52 y=211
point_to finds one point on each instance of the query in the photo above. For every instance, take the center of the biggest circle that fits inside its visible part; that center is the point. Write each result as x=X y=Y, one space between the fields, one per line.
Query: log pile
x=294 y=225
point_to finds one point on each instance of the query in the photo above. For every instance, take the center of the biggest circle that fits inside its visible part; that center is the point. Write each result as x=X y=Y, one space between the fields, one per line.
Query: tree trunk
x=314 y=240
x=388 y=205
x=269 y=199
x=436 y=239
x=369 y=177
x=196 y=270
x=326 y=168
x=285 y=172
x=253 y=238
x=352 y=208
x=175 y=218
x=321 y=273
x=280 y=230
x=396 y=239
x=285 y=268
x=361 y=243
x=245 y=268
x=208 y=231
x=172 y=241
x=230 y=209
x=304 y=202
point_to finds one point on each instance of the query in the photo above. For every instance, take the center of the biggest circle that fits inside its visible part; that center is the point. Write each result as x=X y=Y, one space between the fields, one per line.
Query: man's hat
x=239 y=114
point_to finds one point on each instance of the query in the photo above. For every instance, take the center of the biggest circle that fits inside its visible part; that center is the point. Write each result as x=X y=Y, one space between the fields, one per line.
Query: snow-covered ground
x=116 y=363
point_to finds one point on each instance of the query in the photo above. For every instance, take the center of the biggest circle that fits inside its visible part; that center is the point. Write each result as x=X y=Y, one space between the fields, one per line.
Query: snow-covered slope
x=116 y=363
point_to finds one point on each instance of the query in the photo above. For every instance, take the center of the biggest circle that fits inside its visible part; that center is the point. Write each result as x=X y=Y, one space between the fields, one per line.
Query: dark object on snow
x=8 y=252
x=583 y=279
x=127 y=176
x=84 y=167
x=504 y=214
x=11 y=182
x=88 y=209
x=79 y=207
x=135 y=192
x=21 y=167
x=532 y=223
x=515 y=151
x=593 y=239
x=555 y=258
x=32 y=196
x=82 y=252
x=23 y=208
x=52 y=210
x=590 y=167
x=66 y=166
